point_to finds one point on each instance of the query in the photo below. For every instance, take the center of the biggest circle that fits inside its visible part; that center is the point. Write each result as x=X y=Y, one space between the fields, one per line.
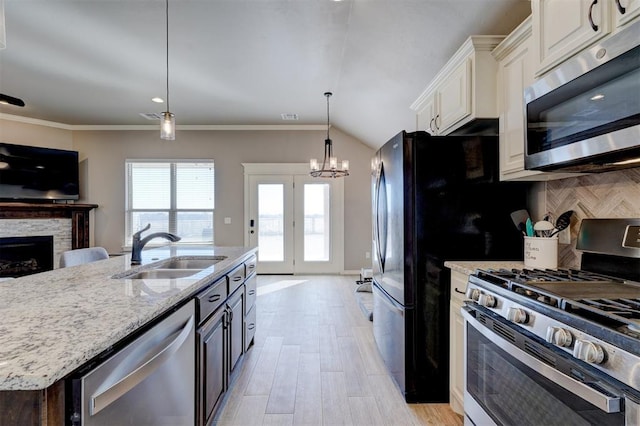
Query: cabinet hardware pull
x=621 y=8
x=435 y=120
x=458 y=291
x=236 y=279
x=251 y=326
x=594 y=27
x=252 y=292
x=430 y=122
x=214 y=298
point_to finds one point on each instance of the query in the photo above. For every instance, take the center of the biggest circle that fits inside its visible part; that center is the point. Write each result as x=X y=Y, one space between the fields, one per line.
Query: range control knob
x=518 y=315
x=473 y=294
x=589 y=352
x=559 y=336
x=487 y=300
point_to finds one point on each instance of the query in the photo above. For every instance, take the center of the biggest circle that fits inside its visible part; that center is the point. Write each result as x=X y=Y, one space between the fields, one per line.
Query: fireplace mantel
x=78 y=213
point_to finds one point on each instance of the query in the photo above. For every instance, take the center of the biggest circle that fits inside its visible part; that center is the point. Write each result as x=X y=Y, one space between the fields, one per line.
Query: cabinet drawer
x=250 y=266
x=249 y=328
x=236 y=278
x=210 y=299
x=250 y=289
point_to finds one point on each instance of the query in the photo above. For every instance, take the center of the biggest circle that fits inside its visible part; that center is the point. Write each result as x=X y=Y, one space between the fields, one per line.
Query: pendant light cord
x=167 y=33
x=328 y=95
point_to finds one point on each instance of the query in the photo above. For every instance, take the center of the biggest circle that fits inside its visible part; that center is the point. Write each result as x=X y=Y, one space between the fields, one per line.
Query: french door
x=296 y=221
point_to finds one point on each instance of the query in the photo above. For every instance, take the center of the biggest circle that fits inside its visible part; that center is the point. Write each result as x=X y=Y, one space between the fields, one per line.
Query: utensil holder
x=540 y=252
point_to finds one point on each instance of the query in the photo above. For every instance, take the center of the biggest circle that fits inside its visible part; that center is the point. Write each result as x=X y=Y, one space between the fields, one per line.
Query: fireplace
x=25 y=255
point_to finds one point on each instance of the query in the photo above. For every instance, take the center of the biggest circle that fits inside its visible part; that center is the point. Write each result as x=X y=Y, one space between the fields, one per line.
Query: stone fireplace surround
x=67 y=223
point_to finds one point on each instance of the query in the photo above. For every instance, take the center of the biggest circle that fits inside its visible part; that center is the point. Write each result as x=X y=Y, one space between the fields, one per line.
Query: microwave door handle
x=131 y=378
x=604 y=402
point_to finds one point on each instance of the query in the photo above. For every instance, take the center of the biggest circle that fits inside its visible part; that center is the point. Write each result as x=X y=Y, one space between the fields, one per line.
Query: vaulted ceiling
x=237 y=62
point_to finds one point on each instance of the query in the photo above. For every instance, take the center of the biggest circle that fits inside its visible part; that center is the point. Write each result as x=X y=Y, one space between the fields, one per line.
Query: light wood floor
x=314 y=362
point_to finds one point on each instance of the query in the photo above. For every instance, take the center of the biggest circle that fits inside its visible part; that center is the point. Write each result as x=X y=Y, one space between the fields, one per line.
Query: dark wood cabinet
x=212 y=364
x=235 y=309
x=222 y=337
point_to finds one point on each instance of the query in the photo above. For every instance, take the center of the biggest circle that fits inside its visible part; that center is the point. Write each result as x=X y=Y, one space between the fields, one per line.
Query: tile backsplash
x=601 y=195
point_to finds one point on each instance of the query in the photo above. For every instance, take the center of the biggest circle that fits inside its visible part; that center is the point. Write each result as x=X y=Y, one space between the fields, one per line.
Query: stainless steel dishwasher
x=151 y=381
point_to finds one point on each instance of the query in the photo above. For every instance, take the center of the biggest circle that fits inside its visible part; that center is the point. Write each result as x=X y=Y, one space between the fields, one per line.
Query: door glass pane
x=317 y=229
x=270 y=222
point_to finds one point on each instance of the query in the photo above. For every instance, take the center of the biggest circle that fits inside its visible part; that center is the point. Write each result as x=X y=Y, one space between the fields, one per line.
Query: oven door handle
x=606 y=403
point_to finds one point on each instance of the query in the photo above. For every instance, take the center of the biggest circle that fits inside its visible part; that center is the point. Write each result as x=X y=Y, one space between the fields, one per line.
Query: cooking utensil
x=529 y=226
x=519 y=218
x=564 y=220
x=543 y=228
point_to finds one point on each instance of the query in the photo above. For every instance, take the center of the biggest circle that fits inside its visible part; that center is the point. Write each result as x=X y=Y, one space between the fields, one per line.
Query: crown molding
x=147 y=127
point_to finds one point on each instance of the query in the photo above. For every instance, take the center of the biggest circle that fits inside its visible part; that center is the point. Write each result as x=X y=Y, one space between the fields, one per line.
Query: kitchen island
x=55 y=322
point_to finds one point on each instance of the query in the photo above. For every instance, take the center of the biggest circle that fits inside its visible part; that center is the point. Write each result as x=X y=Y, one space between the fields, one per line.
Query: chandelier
x=329 y=167
x=168 y=120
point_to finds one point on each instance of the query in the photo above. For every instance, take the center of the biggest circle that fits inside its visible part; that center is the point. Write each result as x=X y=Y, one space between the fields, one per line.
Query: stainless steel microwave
x=584 y=116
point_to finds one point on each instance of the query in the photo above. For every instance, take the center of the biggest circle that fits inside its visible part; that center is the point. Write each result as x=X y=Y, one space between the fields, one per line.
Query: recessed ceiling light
x=289 y=116
x=597 y=97
x=158 y=100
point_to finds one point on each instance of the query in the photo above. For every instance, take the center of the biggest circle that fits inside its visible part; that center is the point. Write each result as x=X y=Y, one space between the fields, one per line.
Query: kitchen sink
x=159 y=274
x=175 y=267
x=201 y=263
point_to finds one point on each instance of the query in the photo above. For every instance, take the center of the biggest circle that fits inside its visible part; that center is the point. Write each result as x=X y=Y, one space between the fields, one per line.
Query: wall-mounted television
x=32 y=173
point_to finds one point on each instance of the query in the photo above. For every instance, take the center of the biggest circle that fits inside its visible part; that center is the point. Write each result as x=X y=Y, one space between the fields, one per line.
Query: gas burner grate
x=622 y=315
x=560 y=275
x=524 y=276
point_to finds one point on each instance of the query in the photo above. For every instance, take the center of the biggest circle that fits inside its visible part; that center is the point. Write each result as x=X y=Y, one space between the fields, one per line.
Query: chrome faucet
x=138 y=243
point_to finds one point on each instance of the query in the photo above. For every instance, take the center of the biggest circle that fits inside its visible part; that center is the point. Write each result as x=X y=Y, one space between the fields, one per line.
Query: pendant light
x=329 y=167
x=168 y=120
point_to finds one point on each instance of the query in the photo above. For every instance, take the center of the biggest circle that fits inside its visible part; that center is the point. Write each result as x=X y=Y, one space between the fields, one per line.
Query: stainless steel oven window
x=510 y=392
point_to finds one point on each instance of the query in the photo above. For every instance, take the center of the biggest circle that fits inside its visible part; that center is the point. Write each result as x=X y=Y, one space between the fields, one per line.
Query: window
x=176 y=197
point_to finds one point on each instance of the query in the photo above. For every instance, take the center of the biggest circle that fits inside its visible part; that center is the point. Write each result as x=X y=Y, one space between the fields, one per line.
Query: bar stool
x=82 y=256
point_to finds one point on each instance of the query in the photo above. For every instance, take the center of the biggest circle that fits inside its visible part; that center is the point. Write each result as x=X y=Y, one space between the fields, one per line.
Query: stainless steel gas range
x=558 y=347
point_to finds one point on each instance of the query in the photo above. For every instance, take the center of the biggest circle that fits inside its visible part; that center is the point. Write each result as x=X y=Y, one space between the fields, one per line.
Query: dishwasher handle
x=130 y=379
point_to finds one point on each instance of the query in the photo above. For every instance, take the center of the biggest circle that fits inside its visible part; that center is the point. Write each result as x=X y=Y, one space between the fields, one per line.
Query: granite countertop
x=54 y=322
x=469 y=266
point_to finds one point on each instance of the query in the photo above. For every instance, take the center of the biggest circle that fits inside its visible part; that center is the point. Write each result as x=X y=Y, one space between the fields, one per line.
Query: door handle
x=594 y=27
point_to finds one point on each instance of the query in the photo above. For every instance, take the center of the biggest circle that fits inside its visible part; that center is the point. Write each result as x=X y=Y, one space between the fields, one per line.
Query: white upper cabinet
x=562 y=28
x=426 y=117
x=515 y=72
x=625 y=11
x=565 y=27
x=464 y=89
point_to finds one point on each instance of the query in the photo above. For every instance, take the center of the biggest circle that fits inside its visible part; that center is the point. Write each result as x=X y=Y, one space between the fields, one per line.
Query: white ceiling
x=237 y=62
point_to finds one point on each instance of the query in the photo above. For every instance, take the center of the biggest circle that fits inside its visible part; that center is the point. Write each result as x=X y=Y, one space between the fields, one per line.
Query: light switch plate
x=227 y=221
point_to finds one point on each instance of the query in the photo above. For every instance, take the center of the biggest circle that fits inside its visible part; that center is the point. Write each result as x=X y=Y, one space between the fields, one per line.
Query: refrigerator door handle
x=389 y=301
x=381 y=217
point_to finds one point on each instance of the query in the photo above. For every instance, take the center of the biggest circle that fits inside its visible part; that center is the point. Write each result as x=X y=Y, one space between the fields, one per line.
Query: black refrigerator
x=434 y=199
